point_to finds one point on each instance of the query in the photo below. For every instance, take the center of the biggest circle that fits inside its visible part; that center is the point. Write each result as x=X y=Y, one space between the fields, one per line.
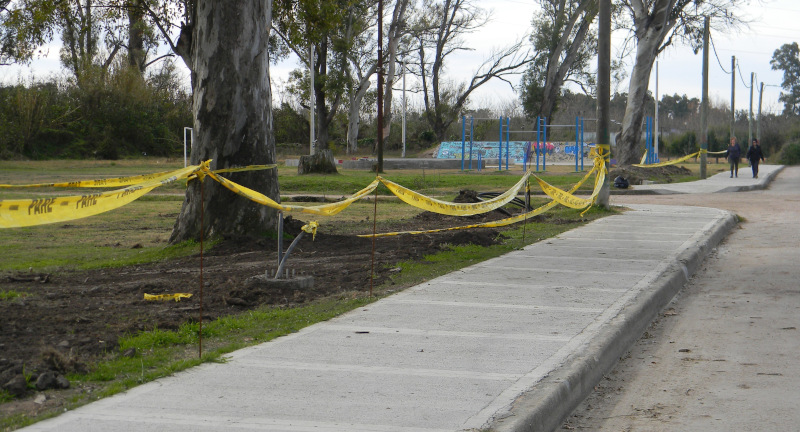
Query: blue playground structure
x=519 y=150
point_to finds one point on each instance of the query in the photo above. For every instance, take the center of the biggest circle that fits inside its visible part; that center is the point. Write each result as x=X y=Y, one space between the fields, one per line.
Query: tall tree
x=397 y=29
x=232 y=116
x=227 y=48
x=787 y=59
x=331 y=28
x=437 y=33
x=563 y=37
x=656 y=24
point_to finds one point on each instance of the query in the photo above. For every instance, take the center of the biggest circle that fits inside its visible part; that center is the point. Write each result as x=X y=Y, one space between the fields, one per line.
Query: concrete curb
x=760 y=185
x=546 y=405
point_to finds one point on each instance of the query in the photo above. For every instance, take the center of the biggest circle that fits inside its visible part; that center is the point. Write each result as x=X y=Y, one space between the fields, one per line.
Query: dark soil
x=70 y=319
x=635 y=175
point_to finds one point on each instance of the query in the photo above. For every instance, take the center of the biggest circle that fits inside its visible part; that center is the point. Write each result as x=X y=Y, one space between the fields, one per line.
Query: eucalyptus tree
x=330 y=29
x=437 y=33
x=787 y=59
x=657 y=24
x=226 y=46
x=565 y=42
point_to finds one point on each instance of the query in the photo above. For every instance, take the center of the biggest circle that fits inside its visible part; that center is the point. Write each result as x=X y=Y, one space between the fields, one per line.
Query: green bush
x=104 y=115
x=790 y=154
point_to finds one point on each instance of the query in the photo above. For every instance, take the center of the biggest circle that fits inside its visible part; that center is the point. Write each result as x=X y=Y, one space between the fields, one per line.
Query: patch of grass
x=161 y=353
x=5 y=396
x=11 y=295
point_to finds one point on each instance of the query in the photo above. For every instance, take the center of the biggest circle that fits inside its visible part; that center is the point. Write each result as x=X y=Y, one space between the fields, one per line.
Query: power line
x=717 y=56
x=740 y=76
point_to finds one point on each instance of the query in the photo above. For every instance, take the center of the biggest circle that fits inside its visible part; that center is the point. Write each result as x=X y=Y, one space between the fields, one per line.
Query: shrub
x=790 y=154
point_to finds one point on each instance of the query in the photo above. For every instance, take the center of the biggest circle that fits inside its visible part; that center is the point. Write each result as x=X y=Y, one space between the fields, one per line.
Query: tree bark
x=136 y=54
x=397 y=29
x=558 y=70
x=651 y=30
x=628 y=142
x=232 y=119
x=354 y=113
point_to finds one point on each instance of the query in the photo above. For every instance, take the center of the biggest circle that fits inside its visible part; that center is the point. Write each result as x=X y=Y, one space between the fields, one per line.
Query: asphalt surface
x=510 y=344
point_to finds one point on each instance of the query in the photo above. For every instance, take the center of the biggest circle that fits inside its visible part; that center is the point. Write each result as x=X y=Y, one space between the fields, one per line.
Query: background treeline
x=120 y=113
x=106 y=115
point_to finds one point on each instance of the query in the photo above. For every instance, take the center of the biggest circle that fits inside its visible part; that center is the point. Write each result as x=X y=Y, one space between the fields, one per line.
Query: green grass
x=11 y=295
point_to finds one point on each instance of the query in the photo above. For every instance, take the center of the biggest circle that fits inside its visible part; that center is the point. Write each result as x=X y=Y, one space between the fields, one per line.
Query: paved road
x=724 y=357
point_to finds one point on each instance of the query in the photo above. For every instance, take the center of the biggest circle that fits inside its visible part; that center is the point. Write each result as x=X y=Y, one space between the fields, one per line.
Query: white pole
x=185 y=161
x=313 y=101
x=403 y=66
x=655 y=133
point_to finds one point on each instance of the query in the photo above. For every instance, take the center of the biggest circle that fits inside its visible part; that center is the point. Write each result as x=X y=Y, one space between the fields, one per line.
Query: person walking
x=733 y=155
x=755 y=155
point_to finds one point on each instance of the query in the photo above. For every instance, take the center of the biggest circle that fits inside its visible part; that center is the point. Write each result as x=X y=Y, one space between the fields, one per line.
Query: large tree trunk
x=136 y=54
x=651 y=30
x=627 y=146
x=232 y=119
x=354 y=113
x=396 y=31
x=557 y=70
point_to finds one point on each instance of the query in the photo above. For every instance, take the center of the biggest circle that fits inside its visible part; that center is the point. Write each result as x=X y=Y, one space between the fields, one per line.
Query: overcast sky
x=773 y=23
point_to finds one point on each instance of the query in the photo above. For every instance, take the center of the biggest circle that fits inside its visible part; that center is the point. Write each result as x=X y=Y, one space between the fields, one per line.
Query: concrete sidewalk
x=717 y=183
x=513 y=343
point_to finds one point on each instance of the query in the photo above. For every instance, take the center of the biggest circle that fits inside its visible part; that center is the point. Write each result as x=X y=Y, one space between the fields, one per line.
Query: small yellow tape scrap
x=177 y=296
x=311 y=228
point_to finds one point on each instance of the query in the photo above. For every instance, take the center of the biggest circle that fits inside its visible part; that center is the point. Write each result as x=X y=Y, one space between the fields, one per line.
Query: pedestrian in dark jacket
x=733 y=155
x=755 y=155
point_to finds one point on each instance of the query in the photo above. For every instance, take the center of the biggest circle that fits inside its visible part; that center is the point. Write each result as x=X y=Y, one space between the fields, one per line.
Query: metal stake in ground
x=374 y=232
x=202 y=228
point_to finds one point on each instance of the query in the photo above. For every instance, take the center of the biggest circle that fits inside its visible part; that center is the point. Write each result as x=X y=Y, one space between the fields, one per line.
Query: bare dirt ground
x=723 y=355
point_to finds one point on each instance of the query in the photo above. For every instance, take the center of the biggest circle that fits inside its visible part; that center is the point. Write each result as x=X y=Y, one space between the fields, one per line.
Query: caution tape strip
x=676 y=161
x=493 y=224
x=132 y=180
x=423 y=202
x=177 y=296
x=322 y=210
x=39 y=211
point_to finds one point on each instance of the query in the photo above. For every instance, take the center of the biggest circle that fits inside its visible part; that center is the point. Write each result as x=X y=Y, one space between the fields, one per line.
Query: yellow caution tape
x=97 y=183
x=240 y=169
x=29 y=212
x=177 y=296
x=644 y=157
x=311 y=228
x=453 y=209
x=127 y=181
x=322 y=210
x=492 y=224
x=602 y=151
x=568 y=199
x=676 y=161
x=715 y=152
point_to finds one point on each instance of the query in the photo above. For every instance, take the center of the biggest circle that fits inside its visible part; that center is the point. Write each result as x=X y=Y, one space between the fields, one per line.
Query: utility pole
x=733 y=93
x=750 y=116
x=655 y=126
x=704 y=104
x=380 y=87
x=403 y=67
x=313 y=105
x=758 y=122
x=604 y=92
